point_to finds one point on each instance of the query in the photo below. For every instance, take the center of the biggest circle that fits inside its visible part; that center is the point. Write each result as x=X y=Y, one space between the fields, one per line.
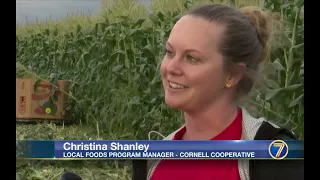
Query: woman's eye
x=191 y=59
x=169 y=53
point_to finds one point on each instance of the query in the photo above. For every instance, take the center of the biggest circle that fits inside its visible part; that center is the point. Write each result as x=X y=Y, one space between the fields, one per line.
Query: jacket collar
x=250 y=126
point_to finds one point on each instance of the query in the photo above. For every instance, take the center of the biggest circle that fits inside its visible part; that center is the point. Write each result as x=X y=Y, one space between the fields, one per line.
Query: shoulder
x=263 y=129
x=270 y=131
x=275 y=169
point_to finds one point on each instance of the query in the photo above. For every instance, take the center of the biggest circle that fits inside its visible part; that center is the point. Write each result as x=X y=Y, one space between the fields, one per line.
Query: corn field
x=113 y=68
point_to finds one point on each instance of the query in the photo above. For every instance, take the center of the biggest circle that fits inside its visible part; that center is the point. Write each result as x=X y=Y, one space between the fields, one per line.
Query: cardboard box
x=40 y=99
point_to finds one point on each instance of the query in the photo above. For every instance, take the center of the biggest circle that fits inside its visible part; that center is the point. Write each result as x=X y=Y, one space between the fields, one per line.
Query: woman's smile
x=174 y=85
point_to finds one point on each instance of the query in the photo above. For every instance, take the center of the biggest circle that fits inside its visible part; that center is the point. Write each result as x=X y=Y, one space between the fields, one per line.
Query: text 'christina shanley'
x=114 y=146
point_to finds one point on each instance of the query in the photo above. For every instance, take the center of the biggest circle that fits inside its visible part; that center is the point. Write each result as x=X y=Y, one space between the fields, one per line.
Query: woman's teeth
x=176 y=86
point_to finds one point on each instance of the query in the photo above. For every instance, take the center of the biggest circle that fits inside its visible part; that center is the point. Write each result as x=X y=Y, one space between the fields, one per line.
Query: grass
x=112 y=61
x=87 y=170
x=52 y=170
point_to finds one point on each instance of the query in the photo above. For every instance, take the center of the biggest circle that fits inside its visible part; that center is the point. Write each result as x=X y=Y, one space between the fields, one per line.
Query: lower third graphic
x=278 y=149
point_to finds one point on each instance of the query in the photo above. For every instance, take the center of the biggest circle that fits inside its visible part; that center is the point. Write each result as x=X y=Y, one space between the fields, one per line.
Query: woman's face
x=192 y=69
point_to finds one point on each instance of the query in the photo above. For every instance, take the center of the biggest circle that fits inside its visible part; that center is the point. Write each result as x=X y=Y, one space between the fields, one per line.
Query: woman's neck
x=208 y=122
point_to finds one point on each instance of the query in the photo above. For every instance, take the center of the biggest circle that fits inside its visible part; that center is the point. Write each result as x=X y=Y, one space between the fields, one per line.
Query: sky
x=41 y=10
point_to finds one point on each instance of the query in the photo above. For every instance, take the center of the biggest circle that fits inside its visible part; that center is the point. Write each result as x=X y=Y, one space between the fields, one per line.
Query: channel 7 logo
x=278 y=149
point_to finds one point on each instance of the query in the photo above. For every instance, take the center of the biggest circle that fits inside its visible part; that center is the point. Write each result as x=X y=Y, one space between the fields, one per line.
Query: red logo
x=44 y=91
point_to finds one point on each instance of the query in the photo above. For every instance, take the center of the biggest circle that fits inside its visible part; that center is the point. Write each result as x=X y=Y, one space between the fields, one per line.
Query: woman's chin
x=175 y=103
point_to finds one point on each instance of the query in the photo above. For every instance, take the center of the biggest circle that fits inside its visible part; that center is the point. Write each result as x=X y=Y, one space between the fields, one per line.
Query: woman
x=204 y=70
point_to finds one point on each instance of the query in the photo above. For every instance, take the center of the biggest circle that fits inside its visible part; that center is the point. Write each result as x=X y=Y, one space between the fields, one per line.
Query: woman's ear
x=236 y=74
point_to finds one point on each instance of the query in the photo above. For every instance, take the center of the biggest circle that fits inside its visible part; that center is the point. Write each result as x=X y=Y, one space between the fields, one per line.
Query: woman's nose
x=174 y=66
